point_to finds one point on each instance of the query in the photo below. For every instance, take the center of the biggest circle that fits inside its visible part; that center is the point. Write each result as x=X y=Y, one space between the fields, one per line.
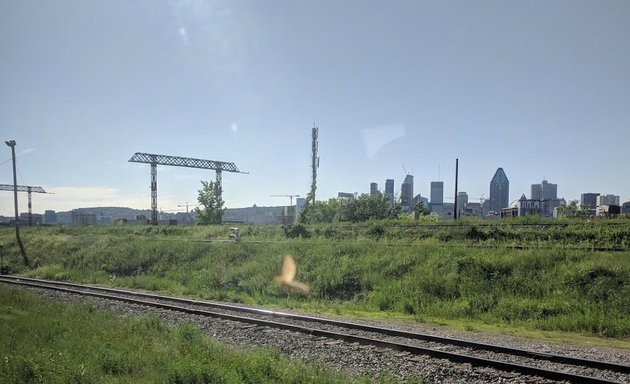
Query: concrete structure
x=472 y=209
x=437 y=192
x=589 y=200
x=444 y=211
x=625 y=208
x=83 y=219
x=260 y=215
x=373 y=188
x=406 y=194
x=607 y=200
x=544 y=191
x=345 y=195
x=50 y=217
x=499 y=192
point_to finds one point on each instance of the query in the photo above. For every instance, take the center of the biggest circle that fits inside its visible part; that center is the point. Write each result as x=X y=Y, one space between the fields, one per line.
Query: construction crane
x=187 y=205
x=289 y=196
x=25 y=188
x=154 y=160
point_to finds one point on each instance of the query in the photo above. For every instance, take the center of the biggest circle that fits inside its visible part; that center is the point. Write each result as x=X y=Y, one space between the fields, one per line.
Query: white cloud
x=183 y=34
x=25 y=151
x=234 y=127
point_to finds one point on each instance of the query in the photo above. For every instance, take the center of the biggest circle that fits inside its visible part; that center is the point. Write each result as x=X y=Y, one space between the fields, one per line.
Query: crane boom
x=190 y=162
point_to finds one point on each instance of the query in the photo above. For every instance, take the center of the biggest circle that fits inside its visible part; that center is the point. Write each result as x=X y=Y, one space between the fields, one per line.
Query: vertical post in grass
x=455 y=207
x=11 y=143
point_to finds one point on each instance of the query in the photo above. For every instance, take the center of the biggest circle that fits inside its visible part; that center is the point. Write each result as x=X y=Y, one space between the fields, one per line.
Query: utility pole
x=455 y=208
x=11 y=143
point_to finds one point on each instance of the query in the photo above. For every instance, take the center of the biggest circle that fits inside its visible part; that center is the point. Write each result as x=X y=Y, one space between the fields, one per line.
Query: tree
x=420 y=210
x=361 y=208
x=573 y=209
x=209 y=198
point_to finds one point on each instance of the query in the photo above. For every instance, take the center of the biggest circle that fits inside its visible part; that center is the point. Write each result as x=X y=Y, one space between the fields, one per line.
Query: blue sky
x=540 y=88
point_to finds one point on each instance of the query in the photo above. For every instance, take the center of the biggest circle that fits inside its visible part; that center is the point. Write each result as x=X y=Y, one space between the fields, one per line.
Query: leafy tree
x=362 y=208
x=212 y=204
x=420 y=210
x=573 y=209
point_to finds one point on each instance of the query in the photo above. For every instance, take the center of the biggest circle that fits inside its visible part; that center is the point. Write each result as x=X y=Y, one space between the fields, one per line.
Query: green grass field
x=48 y=342
x=547 y=282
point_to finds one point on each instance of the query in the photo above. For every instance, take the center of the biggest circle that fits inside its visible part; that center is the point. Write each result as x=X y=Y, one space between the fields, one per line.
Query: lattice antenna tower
x=314 y=165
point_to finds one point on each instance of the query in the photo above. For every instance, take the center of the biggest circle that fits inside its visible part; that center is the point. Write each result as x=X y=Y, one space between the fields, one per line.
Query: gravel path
x=361 y=360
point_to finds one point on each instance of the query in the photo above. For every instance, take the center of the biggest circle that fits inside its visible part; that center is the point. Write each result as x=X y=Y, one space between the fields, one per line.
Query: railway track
x=405 y=344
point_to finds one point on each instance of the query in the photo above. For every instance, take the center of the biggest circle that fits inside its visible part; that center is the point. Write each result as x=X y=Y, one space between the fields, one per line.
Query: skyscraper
x=544 y=191
x=373 y=188
x=589 y=200
x=389 y=189
x=406 y=193
x=499 y=191
x=437 y=192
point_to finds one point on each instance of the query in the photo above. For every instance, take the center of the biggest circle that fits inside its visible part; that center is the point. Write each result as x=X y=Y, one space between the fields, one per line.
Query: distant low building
x=509 y=212
x=462 y=200
x=83 y=219
x=530 y=207
x=535 y=207
x=31 y=219
x=607 y=200
x=608 y=210
x=472 y=209
x=50 y=217
x=260 y=215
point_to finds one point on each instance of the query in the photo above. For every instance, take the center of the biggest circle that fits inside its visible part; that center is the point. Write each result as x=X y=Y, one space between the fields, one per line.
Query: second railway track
x=403 y=343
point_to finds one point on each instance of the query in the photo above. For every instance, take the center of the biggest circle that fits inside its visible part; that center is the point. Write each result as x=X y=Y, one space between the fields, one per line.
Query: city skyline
x=537 y=88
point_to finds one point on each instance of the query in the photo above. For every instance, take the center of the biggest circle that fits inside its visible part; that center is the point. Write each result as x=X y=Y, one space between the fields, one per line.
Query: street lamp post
x=11 y=143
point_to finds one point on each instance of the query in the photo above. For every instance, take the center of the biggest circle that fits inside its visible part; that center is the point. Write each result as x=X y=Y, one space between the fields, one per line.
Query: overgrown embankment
x=534 y=277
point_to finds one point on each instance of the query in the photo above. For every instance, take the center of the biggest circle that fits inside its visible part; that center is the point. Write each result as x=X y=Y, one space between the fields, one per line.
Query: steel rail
x=452 y=356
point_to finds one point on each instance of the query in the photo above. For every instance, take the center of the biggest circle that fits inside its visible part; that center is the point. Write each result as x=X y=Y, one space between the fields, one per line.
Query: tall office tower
x=373 y=188
x=499 y=191
x=589 y=200
x=437 y=192
x=389 y=189
x=406 y=193
x=462 y=200
x=544 y=191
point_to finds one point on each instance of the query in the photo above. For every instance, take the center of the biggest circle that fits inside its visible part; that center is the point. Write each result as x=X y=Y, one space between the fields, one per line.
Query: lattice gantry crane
x=154 y=160
x=25 y=188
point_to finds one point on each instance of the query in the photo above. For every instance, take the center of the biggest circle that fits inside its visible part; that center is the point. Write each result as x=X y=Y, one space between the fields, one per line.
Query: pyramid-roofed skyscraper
x=499 y=191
